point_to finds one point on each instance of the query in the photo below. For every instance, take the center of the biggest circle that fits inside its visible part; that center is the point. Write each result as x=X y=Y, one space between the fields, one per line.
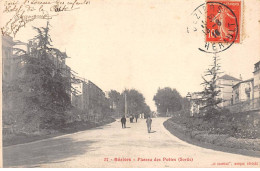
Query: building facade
x=257 y=80
x=7 y=58
x=243 y=91
x=225 y=84
x=80 y=97
x=89 y=98
x=196 y=103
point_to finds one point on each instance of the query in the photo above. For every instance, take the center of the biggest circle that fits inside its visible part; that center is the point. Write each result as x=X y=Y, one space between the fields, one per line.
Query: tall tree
x=167 y=100
x=135 y=103
x=211 y=89
x=114 y=99
x=43 y=84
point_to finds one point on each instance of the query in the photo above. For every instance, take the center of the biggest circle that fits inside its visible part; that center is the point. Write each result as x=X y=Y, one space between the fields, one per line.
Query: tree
x=211 y=90
x=167 y=99
x=135 y=103
x=114 y=98
x=147 y=111
x=41 y=91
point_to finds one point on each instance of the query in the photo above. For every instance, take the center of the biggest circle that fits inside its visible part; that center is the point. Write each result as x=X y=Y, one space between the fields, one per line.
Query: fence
x=245 y=106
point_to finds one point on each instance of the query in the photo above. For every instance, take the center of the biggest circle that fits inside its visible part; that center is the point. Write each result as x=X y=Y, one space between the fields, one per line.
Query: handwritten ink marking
x=30 y=10
x=59 y=8
x=39 y=2
x=77 y=3
x=20 y=20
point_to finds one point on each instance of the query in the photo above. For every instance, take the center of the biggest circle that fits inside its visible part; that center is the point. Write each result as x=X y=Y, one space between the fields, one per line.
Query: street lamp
x=125 y=105
x=188 y=96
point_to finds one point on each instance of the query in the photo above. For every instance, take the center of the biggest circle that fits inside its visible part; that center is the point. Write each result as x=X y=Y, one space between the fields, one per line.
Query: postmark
x=216 y=24
x=223 y=21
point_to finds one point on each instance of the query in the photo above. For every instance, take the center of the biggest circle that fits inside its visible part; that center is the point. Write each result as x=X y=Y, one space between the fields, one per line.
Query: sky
x=144 y=45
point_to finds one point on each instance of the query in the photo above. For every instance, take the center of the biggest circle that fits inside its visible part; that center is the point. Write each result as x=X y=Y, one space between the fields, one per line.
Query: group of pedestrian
x=148 y=122
x=132 y=118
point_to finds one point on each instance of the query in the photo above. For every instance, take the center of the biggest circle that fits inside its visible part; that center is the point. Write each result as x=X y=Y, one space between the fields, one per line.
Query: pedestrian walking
x=149 y=123
x=136 y=117
x=123 y=121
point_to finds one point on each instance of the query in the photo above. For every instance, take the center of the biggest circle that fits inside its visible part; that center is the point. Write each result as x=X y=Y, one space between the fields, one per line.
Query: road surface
x=132 y=146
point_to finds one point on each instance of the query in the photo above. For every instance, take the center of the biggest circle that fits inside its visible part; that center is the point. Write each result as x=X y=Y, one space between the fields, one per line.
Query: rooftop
x=249 y=80
x=228 y=77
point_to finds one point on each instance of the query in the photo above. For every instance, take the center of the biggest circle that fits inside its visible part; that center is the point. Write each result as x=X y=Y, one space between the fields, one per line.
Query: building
x=11 y=62
x=196 y=103
x=246 y=94
x=89 y=98
x=257 y=80
x=243 y=91
x=80 y=98
x=225 y=84
x=97 y=100
x=7 y=58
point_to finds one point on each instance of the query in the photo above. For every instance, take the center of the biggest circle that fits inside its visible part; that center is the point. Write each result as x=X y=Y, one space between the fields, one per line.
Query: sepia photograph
x=130 y=83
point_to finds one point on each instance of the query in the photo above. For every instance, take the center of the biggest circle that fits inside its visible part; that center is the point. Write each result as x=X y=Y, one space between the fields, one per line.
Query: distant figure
x=123 y=121
x=131 y=119
x=136 y=117
x=149 y=123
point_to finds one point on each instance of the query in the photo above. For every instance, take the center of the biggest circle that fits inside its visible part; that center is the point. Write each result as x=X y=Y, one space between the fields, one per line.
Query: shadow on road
x=61 y=161
x=152 y=131
x=102 y=127
x=51 y=151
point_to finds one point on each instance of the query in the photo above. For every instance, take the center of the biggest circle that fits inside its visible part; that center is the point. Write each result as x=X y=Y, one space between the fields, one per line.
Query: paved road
x=91 y=148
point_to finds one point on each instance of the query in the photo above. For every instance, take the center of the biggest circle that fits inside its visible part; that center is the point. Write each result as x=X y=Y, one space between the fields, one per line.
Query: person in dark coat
x=149 y=123
x=123 y=121
x=136 y=117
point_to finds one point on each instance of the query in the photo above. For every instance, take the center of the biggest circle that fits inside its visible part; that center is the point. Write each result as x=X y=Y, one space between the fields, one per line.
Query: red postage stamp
x=223 y=21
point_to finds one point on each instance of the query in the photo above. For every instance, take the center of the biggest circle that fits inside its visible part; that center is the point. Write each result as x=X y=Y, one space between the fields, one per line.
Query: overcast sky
x=144 y=45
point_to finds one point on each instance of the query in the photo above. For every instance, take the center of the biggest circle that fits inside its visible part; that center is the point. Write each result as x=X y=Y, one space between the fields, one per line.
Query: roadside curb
x=200 y=139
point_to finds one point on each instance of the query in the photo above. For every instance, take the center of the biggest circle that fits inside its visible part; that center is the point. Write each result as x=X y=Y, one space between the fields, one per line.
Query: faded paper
x=124 y=44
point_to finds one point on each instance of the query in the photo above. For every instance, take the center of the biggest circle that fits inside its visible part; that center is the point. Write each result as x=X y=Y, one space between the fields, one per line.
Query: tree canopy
x=211 y=88
x=167 y=99
x=41 y=89
x=134 y=99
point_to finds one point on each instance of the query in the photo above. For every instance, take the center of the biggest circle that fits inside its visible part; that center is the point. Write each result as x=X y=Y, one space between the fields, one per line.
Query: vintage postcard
x=130 y=83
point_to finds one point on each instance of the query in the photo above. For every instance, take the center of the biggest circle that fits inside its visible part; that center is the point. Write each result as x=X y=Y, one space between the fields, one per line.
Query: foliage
x=185 y=103
x=135 y=102
x=211 y=89
x=238 y=125
x=40 y=93
x=114 y=99
x=167 y=99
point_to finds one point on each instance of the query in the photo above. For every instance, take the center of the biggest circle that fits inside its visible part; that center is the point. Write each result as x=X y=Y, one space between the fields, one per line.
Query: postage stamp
x=217 y=23
x=223 y=21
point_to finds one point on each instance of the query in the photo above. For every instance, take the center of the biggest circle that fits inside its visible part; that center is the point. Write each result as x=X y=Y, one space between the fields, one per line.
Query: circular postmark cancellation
x=218 y=23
